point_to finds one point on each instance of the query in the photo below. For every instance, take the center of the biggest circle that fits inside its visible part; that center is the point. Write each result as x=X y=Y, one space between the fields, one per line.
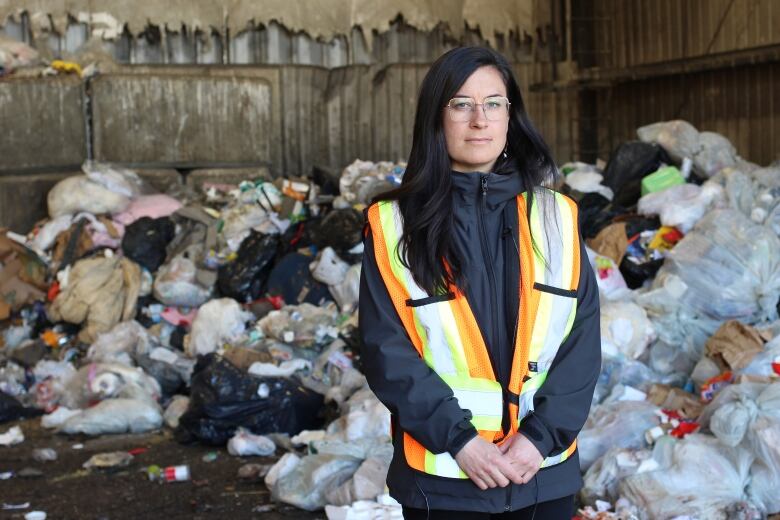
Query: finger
x=511 y=471
x=503 y=448
x=499 y=478
x=479 y=482
x=487 y=478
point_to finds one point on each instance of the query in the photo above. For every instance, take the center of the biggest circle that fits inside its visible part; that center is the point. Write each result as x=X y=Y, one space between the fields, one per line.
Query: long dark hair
x=424 y=195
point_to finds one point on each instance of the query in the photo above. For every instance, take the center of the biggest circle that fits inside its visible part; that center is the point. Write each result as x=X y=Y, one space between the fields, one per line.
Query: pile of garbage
x=684 y=238
x=227 y=313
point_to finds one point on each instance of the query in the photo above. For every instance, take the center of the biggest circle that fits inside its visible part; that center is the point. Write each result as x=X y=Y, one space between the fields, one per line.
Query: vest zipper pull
x=484 y=186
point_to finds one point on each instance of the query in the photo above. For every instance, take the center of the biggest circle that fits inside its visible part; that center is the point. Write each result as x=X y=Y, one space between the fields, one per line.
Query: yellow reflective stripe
x=472 y=383
x=557 y=459
x=533 y=384
x=485 y=423
x=539 y=238
x=454 y=341
x=570 y=322
x=387 y=215
x=482 y=397
x=430 y=463
x=541 y=324
x=442 y=465
x=567 y=234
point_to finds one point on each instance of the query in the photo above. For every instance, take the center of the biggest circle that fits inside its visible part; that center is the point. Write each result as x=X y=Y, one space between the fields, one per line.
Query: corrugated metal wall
x=742 y=103
x=714 y=63
x=633 y=32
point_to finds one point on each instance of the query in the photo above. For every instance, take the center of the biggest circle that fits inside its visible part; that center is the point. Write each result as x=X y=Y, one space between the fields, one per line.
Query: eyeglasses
x=495 y=108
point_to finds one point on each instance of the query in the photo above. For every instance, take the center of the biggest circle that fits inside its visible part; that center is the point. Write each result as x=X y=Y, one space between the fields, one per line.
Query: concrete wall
x=43 y=124
x=188 y=117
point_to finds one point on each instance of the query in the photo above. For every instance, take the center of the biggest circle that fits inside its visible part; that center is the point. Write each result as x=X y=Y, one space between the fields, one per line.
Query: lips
x=479 y=140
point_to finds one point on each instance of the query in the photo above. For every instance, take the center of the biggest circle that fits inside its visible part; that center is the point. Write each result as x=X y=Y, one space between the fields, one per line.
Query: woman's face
x=475 y=143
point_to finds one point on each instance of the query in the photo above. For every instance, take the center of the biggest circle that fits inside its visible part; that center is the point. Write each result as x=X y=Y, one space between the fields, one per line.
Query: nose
x=478 y=118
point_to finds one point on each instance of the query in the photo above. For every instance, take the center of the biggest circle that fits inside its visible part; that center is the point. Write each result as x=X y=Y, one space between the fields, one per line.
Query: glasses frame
x=471 y=113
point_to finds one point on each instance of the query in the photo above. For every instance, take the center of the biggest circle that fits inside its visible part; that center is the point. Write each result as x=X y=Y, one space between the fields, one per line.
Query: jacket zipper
x=492 y=278
x=489 y=262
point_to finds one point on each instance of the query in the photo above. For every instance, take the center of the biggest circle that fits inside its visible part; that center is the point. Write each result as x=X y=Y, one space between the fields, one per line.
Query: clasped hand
x=490 y=465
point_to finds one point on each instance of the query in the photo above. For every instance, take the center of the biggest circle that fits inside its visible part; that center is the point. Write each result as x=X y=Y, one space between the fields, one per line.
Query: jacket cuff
x=462 y=438
x=535 y=431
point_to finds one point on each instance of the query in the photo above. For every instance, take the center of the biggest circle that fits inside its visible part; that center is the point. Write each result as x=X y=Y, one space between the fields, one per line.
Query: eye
x=493 y=104
x=462 y=104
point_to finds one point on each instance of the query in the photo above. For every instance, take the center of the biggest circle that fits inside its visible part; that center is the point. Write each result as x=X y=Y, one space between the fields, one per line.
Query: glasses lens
x=496 y=108
x=460 y=109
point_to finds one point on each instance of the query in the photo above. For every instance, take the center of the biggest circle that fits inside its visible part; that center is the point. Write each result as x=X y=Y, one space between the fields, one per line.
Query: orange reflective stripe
x=414 y=452
x=529 y=302
x=398 y=294
x=477 y=356
x=575 y=274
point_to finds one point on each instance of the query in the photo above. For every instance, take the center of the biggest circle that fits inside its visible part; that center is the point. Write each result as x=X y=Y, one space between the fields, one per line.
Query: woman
x=478 y=308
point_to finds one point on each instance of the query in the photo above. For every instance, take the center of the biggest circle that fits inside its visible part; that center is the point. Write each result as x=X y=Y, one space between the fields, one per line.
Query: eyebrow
x=491 y=95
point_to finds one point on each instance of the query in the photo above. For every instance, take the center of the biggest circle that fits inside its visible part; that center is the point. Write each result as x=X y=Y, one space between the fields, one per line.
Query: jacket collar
x=501 y=187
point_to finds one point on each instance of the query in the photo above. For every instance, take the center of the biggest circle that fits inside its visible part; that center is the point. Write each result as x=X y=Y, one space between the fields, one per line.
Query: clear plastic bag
x=176 y=285
x=699 y=477
x=716 y=153
x=681 y=206
x=679 y=138
x=621 y=424
x=730 y=267
x=307 y=483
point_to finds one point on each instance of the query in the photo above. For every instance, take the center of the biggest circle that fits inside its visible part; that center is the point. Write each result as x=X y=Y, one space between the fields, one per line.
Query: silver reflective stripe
x=427 y=315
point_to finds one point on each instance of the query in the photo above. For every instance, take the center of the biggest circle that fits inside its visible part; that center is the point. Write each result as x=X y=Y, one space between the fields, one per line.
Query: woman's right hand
x=485 y=465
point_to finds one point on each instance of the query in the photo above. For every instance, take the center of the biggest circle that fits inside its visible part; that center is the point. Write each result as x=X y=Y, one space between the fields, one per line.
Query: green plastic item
x=662 y=179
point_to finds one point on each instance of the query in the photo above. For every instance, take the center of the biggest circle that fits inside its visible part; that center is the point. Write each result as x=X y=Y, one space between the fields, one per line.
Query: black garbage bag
x=341 y=229
x=145 y=241
x=222 y=398
x=628 y=165
x=292 y=280
x=595 y=212
x=636 y=274
x=11 y=409
x=244 y=279
x=298 y=236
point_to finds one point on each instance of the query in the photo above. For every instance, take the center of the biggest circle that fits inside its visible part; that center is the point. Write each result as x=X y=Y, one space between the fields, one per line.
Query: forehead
x=485 y=81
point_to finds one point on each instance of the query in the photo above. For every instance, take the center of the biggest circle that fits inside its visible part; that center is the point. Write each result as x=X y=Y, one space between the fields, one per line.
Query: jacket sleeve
x=562 y=403
x=422 y=403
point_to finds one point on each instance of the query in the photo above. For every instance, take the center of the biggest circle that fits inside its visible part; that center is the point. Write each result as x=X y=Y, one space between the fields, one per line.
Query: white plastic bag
x=121 y=344
x=176 y=285
x=114 y=178
x=681 y=206
x=79 y=193
x=175 y=409
x=218 y=321
x=115 y=416
x=625 y=330
x=244 y=443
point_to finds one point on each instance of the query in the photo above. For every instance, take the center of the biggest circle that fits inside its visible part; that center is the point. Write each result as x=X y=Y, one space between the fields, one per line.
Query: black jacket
x=423 y=405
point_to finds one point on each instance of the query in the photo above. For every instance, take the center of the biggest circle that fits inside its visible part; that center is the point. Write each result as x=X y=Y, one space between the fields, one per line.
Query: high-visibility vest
x=444 y=330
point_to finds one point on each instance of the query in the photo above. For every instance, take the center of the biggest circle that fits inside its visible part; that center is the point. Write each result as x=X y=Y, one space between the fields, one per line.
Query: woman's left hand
x=523 y=455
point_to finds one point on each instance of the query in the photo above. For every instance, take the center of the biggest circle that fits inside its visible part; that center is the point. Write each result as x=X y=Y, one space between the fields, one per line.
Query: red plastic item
x=54 y=290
